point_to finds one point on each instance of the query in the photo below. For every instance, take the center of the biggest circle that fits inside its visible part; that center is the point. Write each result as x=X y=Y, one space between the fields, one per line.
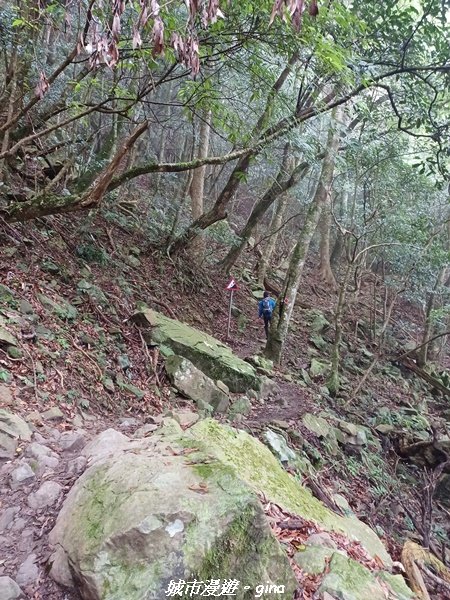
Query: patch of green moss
x=255 y=464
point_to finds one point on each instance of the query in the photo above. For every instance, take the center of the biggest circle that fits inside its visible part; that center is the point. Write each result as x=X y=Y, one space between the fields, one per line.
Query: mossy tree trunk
x=286 y=300
x=285 y=180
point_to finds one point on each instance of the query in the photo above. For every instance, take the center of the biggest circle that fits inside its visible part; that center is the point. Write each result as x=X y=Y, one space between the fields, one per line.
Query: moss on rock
x=207 y=353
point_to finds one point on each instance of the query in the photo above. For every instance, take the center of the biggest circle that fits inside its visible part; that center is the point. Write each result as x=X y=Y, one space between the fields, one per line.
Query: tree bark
x=283 y=182
x=286 y=301
x=422 y=356
x=218 y=211
x=197 y=187
x=275 y=227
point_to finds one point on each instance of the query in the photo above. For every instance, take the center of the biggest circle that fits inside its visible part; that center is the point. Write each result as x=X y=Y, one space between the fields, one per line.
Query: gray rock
x=7 y=517
x=28 y=571
x=194 y=384
x=53 y=414
x=317 y=425
x=279 y=447
x=128 y=423
x=37 y=450
x=14 y=426
x=22 y=475
x=348 y=580
x=76 y=466
x=45 y=496
x=241 y=406
x=145 y=430
x=107 y=443
x=186 y=418
x=6 y=396
x=46 y=464
x=12 y=430
x=170 y=520
x=9 y=590
x=26 y=308
x=8 y=446
x=313 y=559
x=73 y=441
x=321 y=539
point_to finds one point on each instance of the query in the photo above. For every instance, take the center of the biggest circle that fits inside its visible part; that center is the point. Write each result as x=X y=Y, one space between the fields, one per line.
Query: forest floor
x=68 y=291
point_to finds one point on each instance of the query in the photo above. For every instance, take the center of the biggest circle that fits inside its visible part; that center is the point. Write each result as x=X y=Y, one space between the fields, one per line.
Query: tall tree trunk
x=197 y=187
x=422 y=357
x=325 y=271
x=286 y=300
x=274 y=232
x=218 y=211
x=284 y=180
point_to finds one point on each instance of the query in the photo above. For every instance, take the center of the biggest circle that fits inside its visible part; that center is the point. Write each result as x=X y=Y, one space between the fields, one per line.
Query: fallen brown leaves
x=292 y=531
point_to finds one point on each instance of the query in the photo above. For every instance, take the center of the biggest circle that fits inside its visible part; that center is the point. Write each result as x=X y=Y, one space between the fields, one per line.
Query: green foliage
x=92 y=253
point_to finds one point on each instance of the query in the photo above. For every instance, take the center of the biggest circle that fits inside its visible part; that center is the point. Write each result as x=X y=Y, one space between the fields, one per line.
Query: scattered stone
x=321 y=539
x=28 y=571
x=105 y=444
x=108 y=384
x=349 y=428
x=46 y=464
x=26 y=308
x=77 y=421
x=194 y=384
x=279 y=447
x=348 y=580
x=317 y=425
x=241 y=406
x=6 y=338
x=19 y=524
x=33 y=417
x=6 y=396
x=37 y=450
x=14 y=426
x=225 y=389
x=318 y=368
x=305 y=376
x=313 y=559
x=318 y=323
x=12 y=429
x=128 y=423
x=131 y=389
x=14 y=352
x=145 y=430
x=384 y=429
x=9 y=590
x=76 y=466
x=61 y=309
x=280 y=424
x=72 y=441
x=45 y=496
x=7 y=517
x=342 y=503
x=186 y=418
x=53 y=414
x=209 y=355
x=22 y=475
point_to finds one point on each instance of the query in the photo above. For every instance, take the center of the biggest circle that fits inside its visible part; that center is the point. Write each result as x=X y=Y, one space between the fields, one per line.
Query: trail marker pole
x=231 y=287
x=229 y=313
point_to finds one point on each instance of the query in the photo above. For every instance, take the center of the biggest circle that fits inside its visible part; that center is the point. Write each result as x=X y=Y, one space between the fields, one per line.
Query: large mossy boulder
x=208 y=354
x=194 y=384
x=257 y=466
x=143 y=515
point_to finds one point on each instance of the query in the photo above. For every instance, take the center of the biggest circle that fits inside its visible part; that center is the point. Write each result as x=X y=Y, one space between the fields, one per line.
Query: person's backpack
x=267 y=307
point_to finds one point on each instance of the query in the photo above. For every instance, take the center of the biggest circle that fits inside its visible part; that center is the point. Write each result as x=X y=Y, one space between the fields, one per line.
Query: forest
x=150 y=152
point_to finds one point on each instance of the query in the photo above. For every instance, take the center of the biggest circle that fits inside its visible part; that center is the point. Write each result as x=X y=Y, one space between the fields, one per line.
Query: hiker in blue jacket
x=266 y=307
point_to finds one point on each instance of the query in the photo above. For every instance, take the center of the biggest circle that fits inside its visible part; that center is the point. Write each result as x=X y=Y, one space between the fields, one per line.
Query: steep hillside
x=67 y=344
